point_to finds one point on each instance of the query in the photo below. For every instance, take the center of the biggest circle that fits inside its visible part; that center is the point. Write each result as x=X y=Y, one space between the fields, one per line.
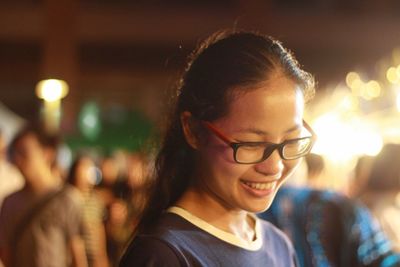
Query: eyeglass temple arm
x=217 y=132
x=308 y=127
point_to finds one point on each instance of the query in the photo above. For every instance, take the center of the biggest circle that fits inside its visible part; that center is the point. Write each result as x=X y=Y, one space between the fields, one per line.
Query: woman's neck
x=215 y=212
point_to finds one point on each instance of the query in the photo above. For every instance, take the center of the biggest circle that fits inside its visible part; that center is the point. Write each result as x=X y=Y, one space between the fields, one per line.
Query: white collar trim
x=220 y=234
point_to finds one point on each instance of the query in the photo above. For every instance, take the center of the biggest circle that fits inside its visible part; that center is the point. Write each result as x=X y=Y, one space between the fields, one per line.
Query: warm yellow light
x=351 y=77
x=51 y=90
x=396 y=54
x=363 y=92
x=375 y=146
x=342 y=140
x=368 y=142
x=334 y=138
x=354 y=82
x=398 y=101
x=373 y=89
x=392 y=76
x=346 y=103
x=349 y=103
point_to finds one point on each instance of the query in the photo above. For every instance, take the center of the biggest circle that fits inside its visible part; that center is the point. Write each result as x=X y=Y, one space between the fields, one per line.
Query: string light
x=373 y=89
x=392 y=75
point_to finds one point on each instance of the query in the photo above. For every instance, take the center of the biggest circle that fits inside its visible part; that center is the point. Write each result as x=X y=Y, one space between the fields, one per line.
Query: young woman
x=236 y=134
x=82 y=176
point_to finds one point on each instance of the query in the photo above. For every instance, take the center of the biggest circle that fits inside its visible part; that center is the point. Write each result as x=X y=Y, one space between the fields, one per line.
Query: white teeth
x=260 y=186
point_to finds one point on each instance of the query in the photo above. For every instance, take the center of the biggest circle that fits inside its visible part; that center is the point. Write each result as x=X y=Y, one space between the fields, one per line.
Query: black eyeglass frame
x=269 y=147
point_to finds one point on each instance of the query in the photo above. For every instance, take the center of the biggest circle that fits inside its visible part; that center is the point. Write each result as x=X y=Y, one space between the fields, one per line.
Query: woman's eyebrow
x=252 y=130
x=294 y=128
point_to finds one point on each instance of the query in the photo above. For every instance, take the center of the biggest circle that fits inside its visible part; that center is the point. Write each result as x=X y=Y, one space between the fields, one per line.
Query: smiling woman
x=236 y=134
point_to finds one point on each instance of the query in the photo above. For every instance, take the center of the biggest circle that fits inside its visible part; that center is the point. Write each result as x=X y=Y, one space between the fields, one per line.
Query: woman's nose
x=272 y=165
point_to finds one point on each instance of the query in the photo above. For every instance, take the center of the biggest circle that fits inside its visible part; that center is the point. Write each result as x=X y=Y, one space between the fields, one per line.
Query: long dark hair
x=72 y=174
x=227 y=61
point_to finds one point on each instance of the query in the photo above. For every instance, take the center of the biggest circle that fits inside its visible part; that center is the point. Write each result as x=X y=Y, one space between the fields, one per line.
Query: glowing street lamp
x=52 y=91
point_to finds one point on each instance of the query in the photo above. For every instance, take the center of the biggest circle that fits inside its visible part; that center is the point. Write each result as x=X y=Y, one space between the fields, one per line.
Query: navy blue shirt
x=179 y=241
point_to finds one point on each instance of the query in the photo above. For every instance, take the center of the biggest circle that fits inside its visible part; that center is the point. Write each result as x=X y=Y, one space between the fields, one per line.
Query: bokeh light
x=89 y=120
x=353 y=80
x=373 y=89
x=342 y=139
x=52 y=90
x=392 y=75
x=398 y=100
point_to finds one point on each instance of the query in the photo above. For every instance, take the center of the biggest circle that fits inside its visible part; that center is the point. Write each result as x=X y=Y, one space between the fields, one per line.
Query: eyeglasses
x=255 y=152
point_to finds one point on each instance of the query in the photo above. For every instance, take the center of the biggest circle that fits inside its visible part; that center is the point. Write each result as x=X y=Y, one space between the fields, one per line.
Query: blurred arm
x=78 y=252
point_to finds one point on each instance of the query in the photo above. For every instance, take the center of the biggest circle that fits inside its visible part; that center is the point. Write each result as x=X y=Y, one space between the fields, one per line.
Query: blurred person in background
x=118 y=229
x=326 y=227
x=128 y=204
x=51 y=148
x=40 y=225
x=360 y=176
x=112 y=180
x=82 y=175
x=315 y=169
x=381 y=192
x=11 y=179
x=113 y=191
x=123 y=219
x=235 y=135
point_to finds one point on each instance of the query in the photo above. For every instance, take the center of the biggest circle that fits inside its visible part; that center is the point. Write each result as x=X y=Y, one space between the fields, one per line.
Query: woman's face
x=272 y=113
x=85 y=174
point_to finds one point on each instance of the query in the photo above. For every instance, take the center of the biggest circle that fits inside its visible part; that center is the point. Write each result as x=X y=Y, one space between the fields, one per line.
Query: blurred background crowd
x=95 y=77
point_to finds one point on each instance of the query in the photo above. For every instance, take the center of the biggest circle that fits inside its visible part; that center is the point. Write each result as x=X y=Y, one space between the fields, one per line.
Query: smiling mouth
x=261 y=186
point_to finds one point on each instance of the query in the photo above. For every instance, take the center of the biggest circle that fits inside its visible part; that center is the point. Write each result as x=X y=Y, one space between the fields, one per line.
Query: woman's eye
x=254 y=147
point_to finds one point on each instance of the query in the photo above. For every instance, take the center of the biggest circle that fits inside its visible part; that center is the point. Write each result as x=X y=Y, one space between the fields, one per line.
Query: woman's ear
x=189 y=129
